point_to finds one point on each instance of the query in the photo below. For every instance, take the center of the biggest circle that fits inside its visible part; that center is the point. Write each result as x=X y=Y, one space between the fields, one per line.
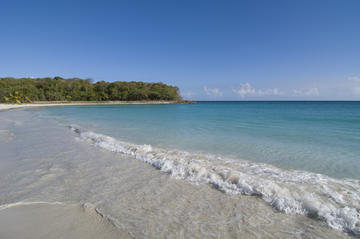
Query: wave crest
x=337 y=202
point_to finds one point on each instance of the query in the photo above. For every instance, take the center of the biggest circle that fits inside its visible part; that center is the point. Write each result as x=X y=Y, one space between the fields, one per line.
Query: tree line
x=22 y=90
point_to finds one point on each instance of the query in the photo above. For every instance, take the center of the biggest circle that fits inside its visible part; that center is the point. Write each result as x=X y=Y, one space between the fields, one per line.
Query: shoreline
x=4 y=106
x=58 y=167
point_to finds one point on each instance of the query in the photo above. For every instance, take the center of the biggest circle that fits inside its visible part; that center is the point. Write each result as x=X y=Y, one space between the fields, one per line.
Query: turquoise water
x=321 y=137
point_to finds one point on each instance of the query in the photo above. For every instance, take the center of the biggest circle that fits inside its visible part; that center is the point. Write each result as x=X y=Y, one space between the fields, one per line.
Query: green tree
x=75 y=89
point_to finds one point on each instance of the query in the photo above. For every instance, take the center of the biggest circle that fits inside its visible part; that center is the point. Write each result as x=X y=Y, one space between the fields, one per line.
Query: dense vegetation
x=22 y=90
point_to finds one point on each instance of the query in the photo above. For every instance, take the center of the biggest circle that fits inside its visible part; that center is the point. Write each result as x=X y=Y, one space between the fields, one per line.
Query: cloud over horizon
x=247 y=90
x=213 y=92
x=306 y=92
x=355 y=85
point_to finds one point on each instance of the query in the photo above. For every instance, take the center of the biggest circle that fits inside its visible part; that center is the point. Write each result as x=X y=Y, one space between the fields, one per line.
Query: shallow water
x=193 y=194
x=321 y=137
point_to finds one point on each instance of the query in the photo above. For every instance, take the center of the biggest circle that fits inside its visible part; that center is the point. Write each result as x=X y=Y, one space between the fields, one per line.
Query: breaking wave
x=334 y=201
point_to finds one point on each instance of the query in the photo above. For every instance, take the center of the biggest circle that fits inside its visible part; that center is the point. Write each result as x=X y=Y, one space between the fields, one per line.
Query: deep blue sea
x=320 y=137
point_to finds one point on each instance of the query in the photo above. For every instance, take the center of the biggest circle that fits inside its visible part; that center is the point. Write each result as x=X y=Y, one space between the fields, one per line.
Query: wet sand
x=57 y=221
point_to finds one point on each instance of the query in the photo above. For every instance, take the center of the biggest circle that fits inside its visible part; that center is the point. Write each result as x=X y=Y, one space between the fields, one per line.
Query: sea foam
x=334 y=201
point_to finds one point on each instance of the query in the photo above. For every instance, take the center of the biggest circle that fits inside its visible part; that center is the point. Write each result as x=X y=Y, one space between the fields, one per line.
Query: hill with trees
x=26 y=90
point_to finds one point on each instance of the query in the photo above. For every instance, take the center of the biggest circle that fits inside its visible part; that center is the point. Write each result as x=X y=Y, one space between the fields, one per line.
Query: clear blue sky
x=216 y=50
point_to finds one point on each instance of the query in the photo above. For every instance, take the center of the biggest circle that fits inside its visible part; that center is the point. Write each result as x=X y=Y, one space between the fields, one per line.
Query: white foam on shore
x=337 y=202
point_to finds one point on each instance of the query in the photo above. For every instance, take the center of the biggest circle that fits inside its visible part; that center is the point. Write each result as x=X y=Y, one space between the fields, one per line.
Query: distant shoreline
x=4 y=106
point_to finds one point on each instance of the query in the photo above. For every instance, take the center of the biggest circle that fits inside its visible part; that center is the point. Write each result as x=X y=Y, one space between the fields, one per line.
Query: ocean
x=209 y=169
x=320 y=137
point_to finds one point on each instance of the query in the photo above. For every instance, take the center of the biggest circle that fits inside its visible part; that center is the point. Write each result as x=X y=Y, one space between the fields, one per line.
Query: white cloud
x=306 y=92
x=244 y=90
x=355 y=85
x=274 y=91
x=213 y=91
x=247 y=90
x=354 y=78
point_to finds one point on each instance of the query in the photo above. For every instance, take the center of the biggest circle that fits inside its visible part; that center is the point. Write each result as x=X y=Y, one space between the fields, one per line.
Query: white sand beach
x=46 y=103
x=15 y=106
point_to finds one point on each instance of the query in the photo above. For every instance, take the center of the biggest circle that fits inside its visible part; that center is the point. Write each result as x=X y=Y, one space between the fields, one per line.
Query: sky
x=210 y=49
